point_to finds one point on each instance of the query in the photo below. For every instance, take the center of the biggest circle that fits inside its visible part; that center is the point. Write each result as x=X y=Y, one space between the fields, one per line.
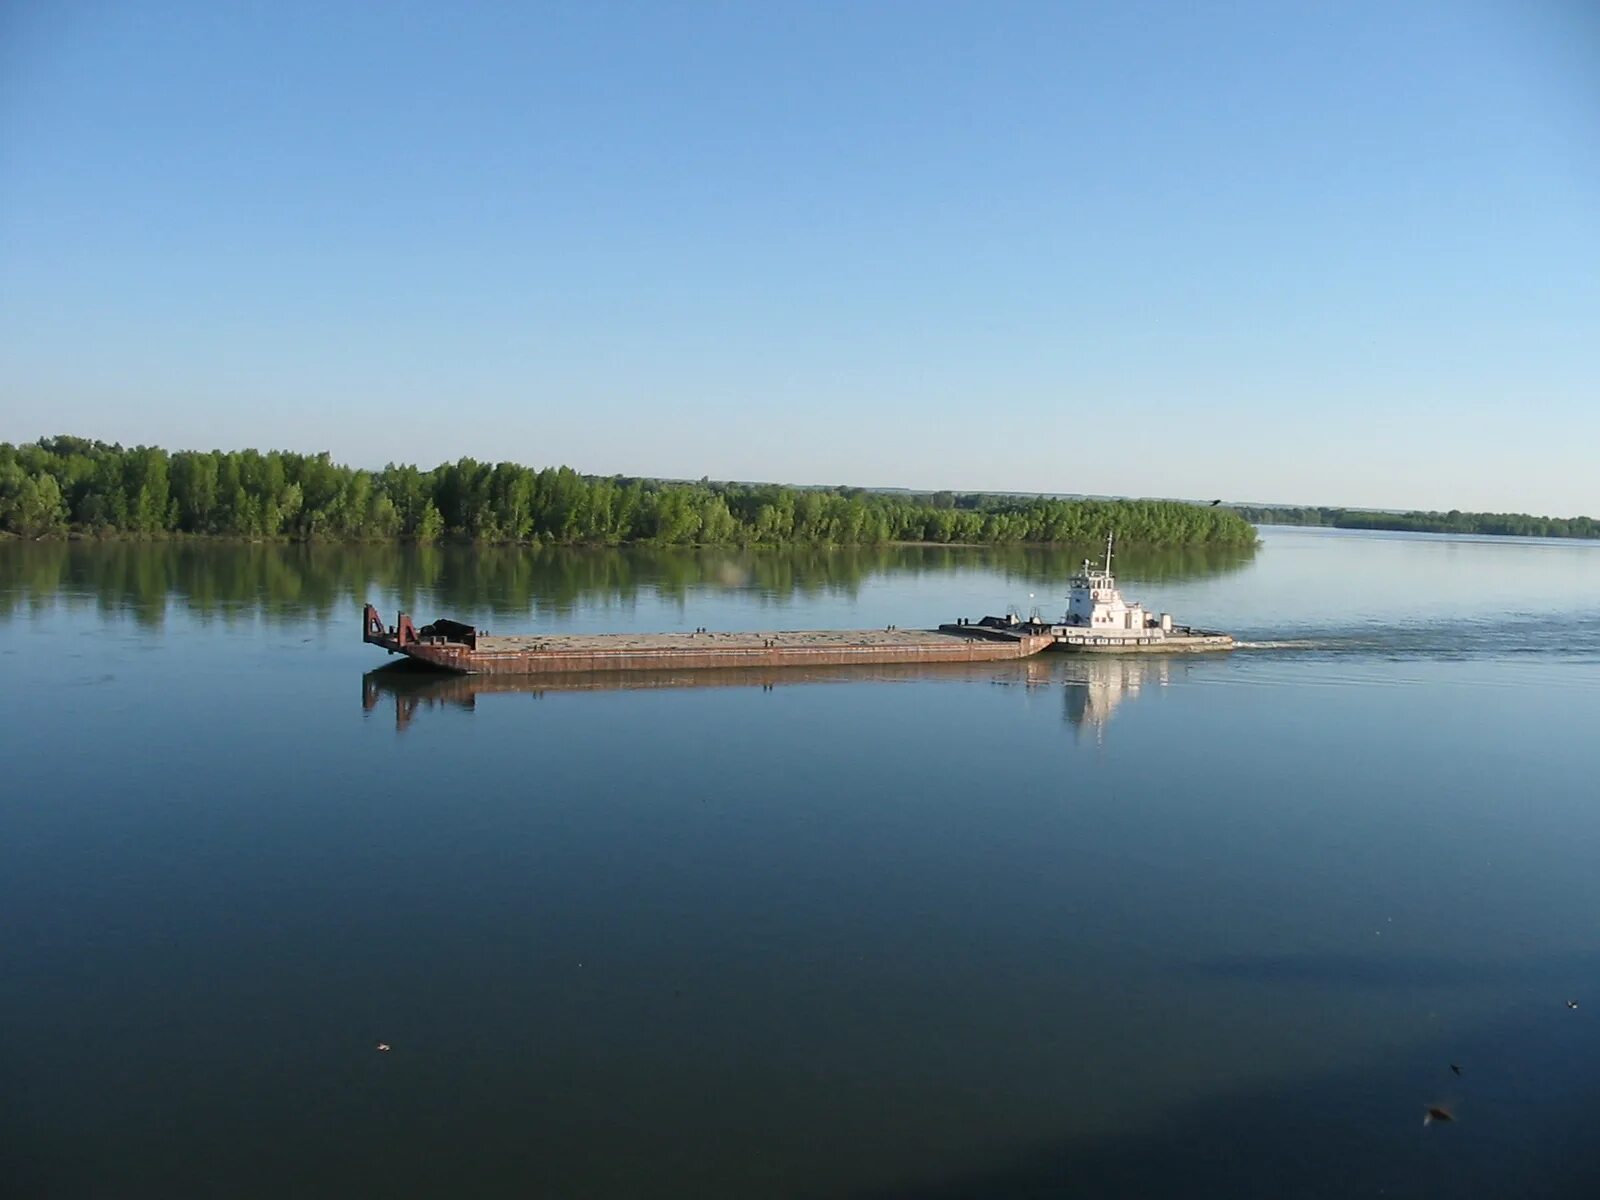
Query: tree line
x=1454 y=521
x=69 y=484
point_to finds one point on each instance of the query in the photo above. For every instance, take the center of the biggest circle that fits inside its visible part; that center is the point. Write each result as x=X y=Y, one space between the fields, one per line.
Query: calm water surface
x=1211 y=926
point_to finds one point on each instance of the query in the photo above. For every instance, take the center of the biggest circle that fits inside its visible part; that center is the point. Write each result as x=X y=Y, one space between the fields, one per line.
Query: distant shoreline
x=1477 y=524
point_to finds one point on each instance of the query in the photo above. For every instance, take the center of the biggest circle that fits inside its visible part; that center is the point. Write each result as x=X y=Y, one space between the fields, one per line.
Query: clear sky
x=1325 y=253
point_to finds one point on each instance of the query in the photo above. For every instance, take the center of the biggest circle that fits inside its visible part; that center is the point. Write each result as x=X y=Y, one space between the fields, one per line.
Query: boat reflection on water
x=1093 y=687
x=1096 y=687
x=416 y=689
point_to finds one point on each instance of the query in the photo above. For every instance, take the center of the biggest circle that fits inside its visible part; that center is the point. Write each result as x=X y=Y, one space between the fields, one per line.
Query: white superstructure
x=1094 y=605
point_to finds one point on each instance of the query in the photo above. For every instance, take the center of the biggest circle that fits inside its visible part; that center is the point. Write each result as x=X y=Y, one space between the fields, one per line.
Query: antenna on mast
x=1110 y=537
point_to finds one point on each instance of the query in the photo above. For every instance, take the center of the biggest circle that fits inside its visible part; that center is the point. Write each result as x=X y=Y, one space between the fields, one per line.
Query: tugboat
x=1099 y=621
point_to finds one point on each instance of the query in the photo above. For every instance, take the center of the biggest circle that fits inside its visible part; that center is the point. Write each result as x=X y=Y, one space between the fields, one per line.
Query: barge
x=465 y=649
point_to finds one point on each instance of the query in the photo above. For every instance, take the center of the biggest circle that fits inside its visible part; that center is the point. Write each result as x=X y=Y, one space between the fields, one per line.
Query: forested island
x=1500 y=524
x=70 y=485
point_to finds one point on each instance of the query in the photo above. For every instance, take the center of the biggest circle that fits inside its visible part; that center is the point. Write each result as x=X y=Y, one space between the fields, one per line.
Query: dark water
x=1210 y=926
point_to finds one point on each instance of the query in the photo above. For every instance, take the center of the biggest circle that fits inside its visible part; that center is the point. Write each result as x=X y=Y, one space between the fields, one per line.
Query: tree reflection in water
x=228 y=581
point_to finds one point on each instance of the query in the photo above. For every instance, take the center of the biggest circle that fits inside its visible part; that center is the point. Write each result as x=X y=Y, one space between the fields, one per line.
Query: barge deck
x=464 y=649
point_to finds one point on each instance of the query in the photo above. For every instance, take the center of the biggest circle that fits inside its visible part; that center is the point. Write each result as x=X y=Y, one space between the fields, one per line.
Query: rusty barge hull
x=463 y=649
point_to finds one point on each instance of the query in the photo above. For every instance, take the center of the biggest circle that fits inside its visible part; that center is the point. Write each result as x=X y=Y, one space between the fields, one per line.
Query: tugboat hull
x=1170 y=643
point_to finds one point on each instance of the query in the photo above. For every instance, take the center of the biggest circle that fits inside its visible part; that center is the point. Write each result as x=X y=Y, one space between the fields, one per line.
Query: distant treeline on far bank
x=1501 y=524
x=67 y=485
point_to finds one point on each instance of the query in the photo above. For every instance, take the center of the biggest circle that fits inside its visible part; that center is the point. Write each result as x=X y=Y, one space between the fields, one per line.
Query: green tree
x=31 y=505
x=431 y=525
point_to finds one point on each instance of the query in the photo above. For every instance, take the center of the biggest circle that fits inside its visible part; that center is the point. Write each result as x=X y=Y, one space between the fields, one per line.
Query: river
x=1155 y=927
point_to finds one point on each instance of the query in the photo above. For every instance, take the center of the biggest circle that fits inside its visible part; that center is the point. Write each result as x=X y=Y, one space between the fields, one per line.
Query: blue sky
x=1326 y=253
